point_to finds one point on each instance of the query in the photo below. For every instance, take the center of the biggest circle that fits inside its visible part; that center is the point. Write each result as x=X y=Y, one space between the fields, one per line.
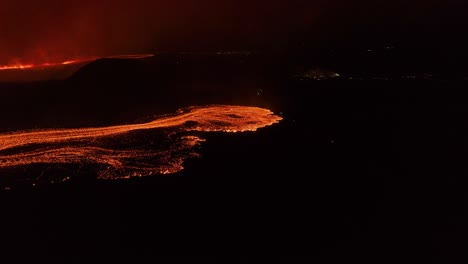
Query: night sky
x=54 y=30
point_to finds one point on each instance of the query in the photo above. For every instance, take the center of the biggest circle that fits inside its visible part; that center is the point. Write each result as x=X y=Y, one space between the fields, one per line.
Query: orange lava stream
x=82 y=60
x=79 y=145
x=43 y=65
x=212 y=118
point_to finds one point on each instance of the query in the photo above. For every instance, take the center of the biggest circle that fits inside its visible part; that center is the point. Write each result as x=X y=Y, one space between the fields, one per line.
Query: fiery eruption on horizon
x=25 y=66
x=105 y=147
x=21 y=66
x=52 y=70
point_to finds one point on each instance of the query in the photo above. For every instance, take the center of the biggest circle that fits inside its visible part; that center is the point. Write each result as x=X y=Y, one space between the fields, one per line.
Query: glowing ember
x=114 y=160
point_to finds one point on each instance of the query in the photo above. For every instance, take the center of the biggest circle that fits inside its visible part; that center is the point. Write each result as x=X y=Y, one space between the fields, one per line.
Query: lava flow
x=20 y=66
x=123 y=151
x=31 y=72
x=25 y=66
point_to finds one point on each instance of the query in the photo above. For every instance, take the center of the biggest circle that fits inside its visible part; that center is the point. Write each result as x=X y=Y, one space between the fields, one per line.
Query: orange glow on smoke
x=81 y=145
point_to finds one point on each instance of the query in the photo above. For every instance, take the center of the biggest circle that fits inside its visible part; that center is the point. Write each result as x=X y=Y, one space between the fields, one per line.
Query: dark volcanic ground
x=359 y=169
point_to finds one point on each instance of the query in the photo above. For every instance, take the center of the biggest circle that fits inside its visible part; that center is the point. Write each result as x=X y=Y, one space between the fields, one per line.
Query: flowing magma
x=39 y=65
x=133 y=150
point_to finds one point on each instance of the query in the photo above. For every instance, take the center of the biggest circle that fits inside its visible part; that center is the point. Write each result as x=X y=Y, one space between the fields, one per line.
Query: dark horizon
x=53 y=30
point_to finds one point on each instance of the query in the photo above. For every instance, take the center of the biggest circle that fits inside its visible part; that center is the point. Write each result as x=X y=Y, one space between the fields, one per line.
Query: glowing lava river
x=121 y=151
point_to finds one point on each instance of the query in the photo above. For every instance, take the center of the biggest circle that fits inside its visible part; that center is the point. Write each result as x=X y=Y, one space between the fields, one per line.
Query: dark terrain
x=362 y=169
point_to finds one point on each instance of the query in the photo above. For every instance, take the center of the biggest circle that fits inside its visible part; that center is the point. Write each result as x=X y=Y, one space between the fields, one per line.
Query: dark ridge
x=109 y=69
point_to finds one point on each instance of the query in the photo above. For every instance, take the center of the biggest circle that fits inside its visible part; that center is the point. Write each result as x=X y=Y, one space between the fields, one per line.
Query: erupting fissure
x=25 y=66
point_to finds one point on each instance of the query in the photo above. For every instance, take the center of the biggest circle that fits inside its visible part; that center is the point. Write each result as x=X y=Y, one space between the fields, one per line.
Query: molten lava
x=30 y=72
x=120 y=160
x=20 y=66
x=43 y=65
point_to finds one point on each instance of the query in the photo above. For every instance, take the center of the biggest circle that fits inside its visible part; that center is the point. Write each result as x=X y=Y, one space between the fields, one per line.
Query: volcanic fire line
x=82 y=145
x=25 y=66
